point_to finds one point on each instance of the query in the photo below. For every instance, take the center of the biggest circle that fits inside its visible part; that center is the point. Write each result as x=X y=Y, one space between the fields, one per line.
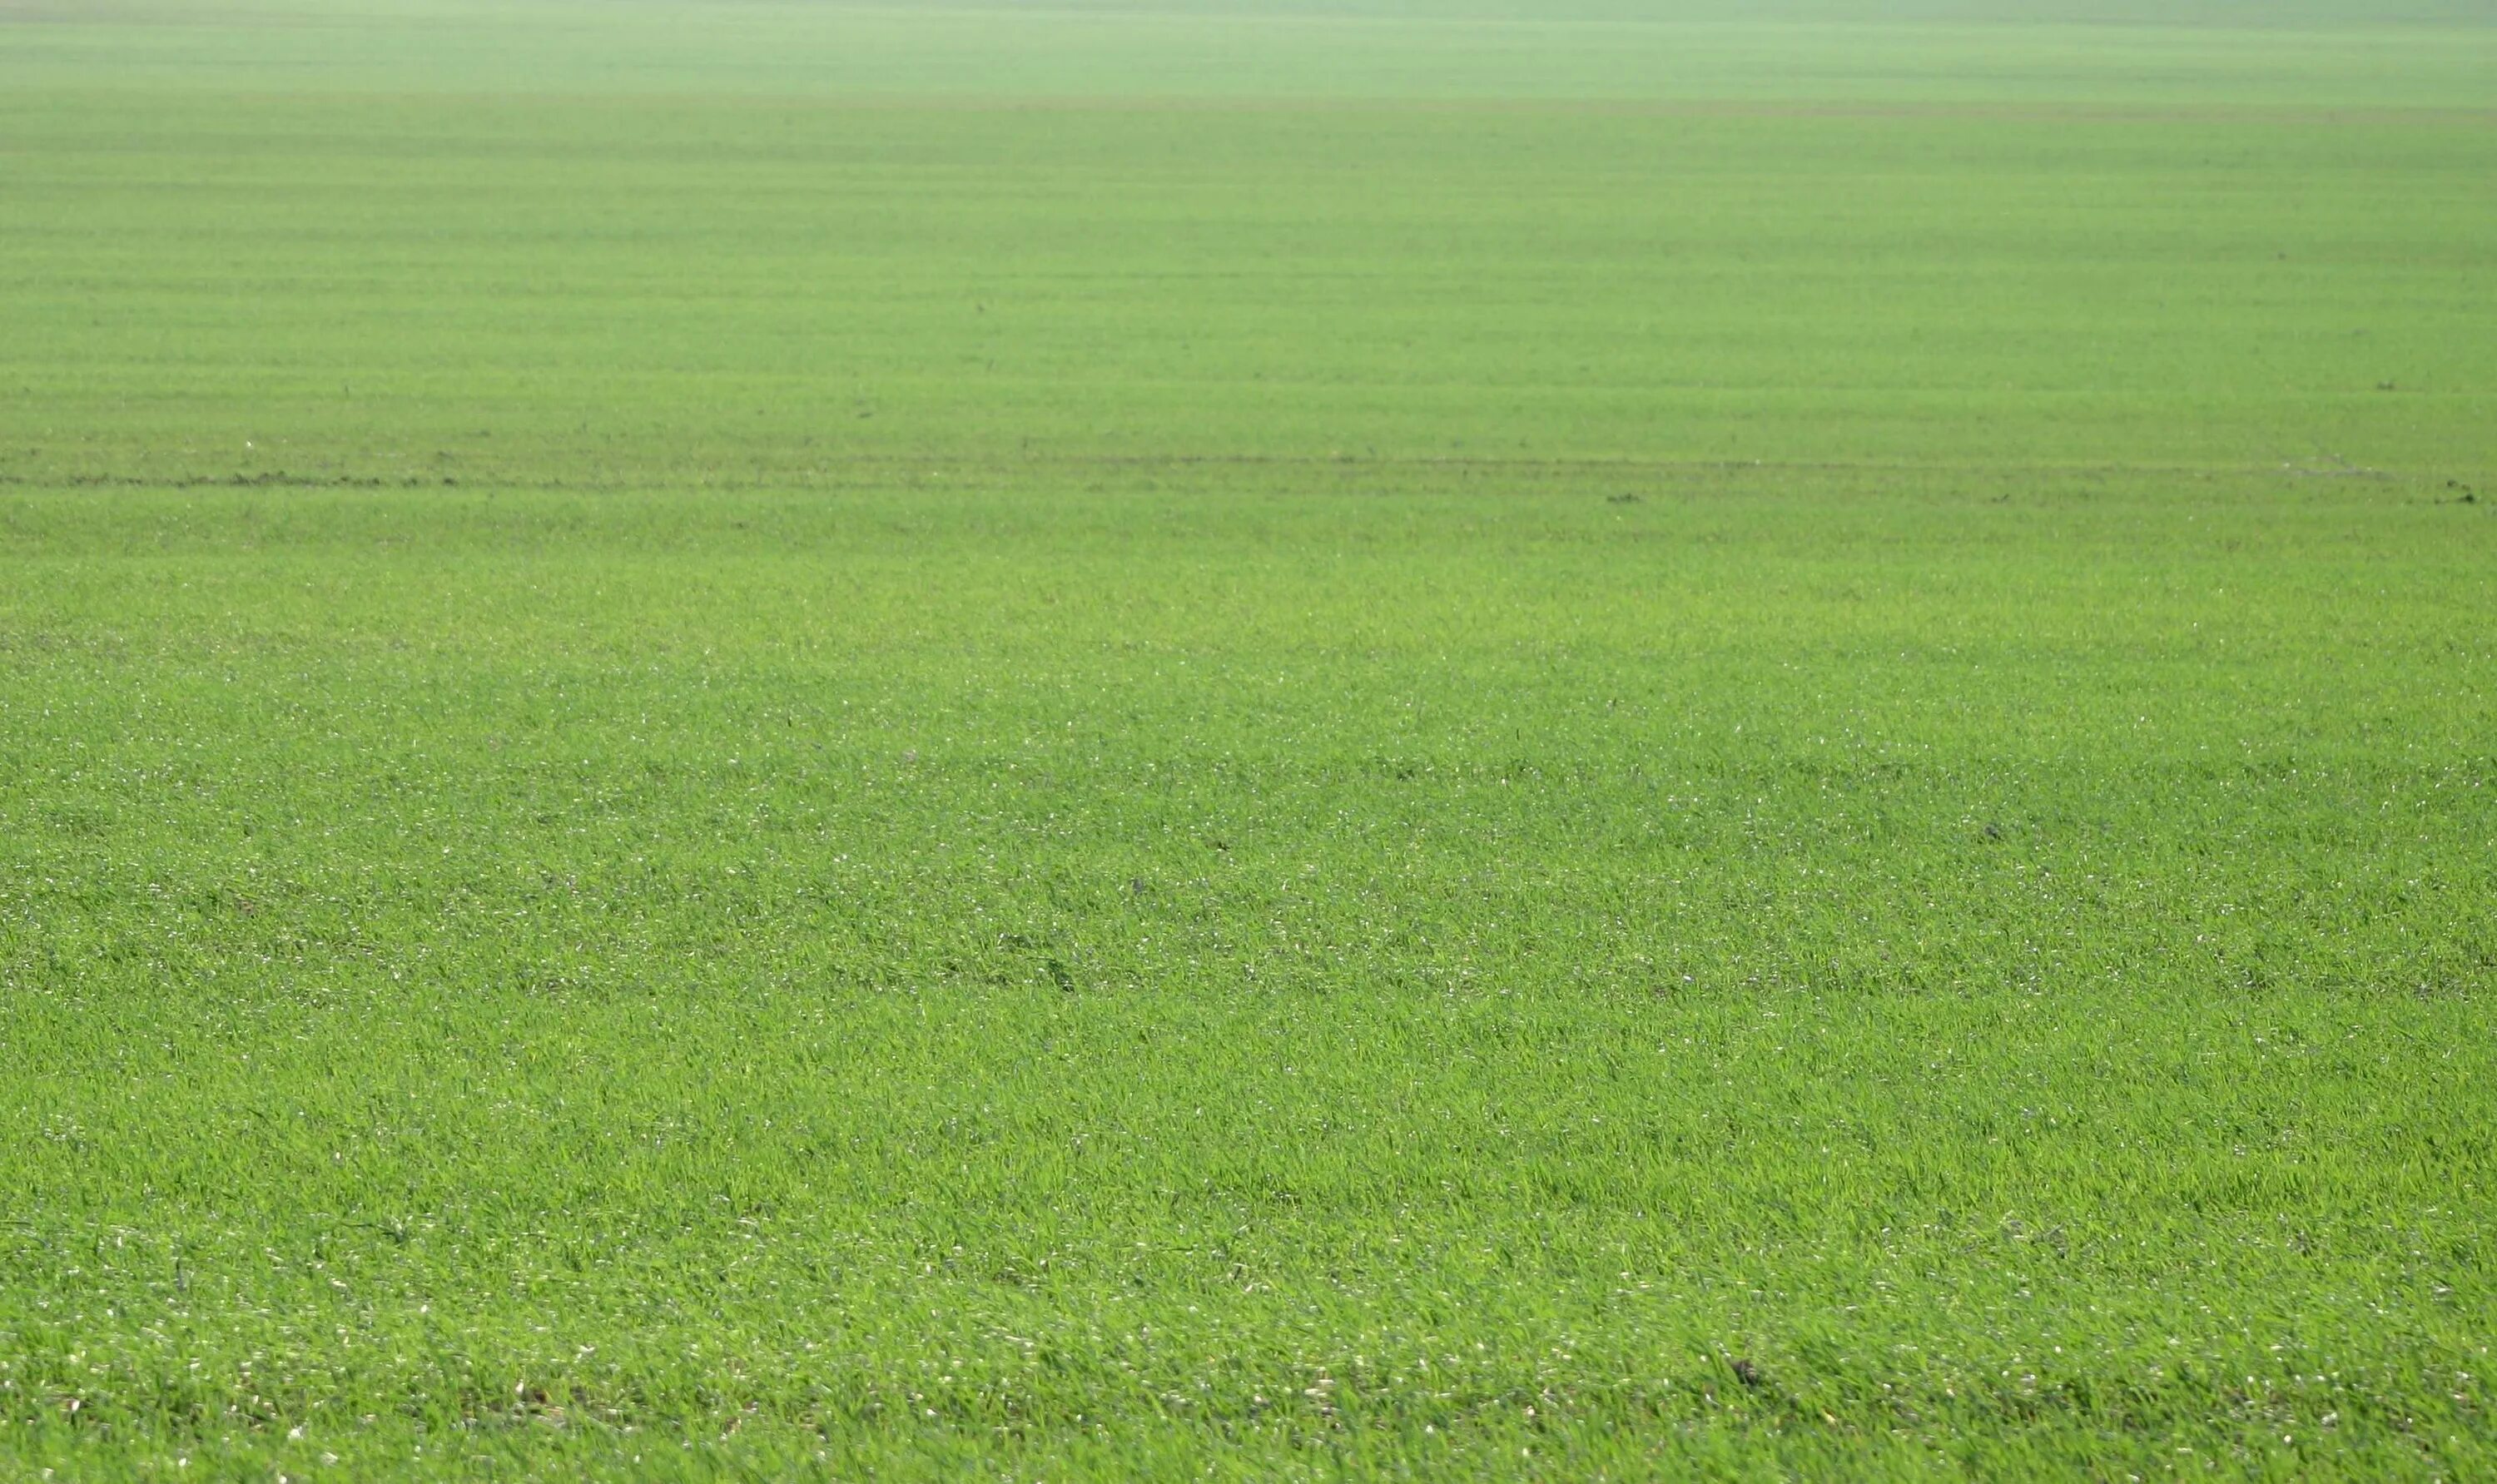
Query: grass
x=754 y=741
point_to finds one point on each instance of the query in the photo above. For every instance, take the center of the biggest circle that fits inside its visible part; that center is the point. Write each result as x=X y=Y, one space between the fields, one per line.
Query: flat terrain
x=1363 y=740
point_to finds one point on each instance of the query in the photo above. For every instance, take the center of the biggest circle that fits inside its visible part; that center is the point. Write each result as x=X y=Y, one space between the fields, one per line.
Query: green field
x=1311 y=740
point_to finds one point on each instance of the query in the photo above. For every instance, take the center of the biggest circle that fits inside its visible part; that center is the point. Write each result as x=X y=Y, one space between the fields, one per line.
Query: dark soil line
x=831 y=473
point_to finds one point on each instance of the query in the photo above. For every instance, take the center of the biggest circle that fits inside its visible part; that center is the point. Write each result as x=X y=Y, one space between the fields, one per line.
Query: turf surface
x=747 y=739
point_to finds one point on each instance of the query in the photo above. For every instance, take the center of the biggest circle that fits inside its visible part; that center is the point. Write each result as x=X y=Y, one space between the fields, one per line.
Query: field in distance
x=1335 y=742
